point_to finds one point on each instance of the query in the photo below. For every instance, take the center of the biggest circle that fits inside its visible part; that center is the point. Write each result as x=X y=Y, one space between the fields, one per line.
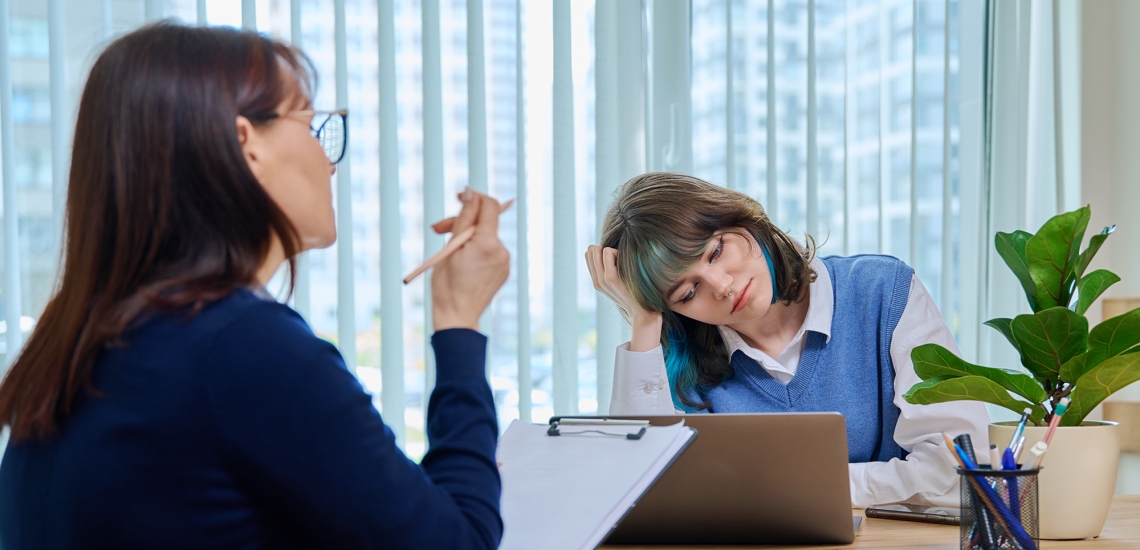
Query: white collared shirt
x=818 y=319
x=927 y=476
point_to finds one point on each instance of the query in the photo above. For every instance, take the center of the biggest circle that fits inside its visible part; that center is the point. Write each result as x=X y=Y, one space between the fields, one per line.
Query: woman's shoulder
x=249 y=320
x=248 y=306
x=256 y=342
x=242 y=326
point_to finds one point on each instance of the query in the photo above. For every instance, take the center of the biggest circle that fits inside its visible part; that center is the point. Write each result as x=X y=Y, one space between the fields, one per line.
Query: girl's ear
x=251 y=144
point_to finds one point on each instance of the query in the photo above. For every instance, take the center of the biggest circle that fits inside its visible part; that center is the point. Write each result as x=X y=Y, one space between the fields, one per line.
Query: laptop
x=761 y=478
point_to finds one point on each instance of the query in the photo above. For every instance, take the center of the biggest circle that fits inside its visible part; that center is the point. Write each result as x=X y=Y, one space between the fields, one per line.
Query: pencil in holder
x=999 y=509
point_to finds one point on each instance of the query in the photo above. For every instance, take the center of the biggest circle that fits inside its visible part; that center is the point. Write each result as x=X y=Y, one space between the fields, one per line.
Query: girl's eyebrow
x=708 y=250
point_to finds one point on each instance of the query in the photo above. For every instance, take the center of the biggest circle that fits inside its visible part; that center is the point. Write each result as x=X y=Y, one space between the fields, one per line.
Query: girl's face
x=292 y=167
x=729 y=284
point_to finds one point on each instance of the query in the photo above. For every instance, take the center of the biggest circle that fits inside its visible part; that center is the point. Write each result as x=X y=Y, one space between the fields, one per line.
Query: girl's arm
x=640 y=384
x=927 y=476
x=646 y=332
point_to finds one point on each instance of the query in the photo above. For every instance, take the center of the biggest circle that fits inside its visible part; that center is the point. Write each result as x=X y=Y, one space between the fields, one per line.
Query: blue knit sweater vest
x=851 y=373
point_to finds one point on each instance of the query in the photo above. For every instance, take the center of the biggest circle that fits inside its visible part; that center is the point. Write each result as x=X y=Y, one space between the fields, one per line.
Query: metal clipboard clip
x=557 y=423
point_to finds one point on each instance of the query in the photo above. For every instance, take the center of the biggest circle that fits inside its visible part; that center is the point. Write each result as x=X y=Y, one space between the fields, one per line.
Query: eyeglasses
x=332 y=132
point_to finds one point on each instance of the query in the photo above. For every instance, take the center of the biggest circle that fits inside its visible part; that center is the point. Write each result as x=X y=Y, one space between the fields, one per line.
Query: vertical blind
x=839 y=116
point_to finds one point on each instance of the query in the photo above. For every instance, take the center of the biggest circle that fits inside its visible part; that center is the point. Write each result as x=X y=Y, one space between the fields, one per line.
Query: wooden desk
x=1121 y=531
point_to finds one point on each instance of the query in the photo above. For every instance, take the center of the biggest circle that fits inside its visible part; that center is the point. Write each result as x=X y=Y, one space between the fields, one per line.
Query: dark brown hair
x=163 y=212
x=660 y=223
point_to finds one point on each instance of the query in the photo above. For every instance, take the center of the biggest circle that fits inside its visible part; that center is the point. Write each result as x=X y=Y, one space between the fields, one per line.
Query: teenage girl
x=729 y=314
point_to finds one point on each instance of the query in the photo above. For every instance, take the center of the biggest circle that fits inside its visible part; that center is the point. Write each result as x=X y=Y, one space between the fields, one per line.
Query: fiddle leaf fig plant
x=1062 y=357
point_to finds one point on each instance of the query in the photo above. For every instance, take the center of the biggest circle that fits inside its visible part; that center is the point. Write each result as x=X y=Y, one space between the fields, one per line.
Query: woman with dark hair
x=741 y=318
x=164 y=400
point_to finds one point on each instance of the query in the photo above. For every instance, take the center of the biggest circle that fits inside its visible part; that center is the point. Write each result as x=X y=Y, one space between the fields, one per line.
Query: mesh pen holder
x=999 y=509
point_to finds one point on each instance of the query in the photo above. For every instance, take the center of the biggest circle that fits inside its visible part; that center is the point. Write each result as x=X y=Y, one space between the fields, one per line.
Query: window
x=862 y=170
x=28 y=38
x=31 y=105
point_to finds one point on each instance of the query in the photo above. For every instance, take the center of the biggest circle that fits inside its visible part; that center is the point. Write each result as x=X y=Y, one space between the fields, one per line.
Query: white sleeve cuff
x=640 y=383
x=926 y=477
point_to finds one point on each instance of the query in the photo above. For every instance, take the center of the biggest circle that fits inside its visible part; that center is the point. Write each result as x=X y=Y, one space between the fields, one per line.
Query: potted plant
x=1061 y=358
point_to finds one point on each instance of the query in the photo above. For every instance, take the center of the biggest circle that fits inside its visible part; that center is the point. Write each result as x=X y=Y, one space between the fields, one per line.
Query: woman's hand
x=602 y=263
x=463 y=284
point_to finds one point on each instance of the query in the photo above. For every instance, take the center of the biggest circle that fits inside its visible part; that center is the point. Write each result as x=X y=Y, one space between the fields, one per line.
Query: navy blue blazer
x=239 y=428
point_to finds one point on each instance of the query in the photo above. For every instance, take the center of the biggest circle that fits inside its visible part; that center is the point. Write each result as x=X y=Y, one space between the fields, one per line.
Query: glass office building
x=863 y=78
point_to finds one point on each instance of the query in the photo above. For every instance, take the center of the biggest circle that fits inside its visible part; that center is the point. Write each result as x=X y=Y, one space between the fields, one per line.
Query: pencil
x=950 y=446
x=985 y=527
x=454 y=244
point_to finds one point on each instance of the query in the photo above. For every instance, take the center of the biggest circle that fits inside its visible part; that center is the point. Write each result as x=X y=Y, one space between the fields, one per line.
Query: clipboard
x=558 y=422
x=570 y=489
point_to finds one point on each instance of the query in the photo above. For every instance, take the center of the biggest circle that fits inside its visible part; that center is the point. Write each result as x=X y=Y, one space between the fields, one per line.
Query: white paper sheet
x=567 y=492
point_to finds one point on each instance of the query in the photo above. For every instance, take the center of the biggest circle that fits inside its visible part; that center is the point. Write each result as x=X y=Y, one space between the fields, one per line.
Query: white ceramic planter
x=1077 y=479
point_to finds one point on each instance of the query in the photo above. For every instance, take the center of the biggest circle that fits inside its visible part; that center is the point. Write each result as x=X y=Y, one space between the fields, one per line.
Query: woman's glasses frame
x=328 y=139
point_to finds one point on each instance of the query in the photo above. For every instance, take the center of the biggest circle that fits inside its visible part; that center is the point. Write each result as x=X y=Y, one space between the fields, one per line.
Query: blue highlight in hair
x=656 y=256
x=771 y=271
x=680 y=362
x=680 y=367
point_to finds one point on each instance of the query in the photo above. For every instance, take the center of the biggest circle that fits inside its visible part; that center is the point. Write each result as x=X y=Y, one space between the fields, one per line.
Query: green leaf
x=1052 y=256
x=1116 y=336
x=1003 y=325
x=1094 y=246
x=934 y=361
x=1098 y=383
x=1076 y=367
x=1011 y=247
x=1092 y=286
x=969 y=388
x=1049 y=338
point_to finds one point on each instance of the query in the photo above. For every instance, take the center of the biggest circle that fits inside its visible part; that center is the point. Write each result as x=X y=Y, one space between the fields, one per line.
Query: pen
x=985 y=526
x=966 y=462
x=1008 y=462
x=993 y=504
x=1056 y=421
x=995 y=458
x=1017 y=448
x=967 y=445
x=454 y=244
x=1017 y=432
x=1038 y=455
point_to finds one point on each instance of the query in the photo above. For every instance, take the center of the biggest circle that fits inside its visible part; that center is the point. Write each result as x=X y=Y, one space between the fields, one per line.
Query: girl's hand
x=602 y=263
x=463 y=284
